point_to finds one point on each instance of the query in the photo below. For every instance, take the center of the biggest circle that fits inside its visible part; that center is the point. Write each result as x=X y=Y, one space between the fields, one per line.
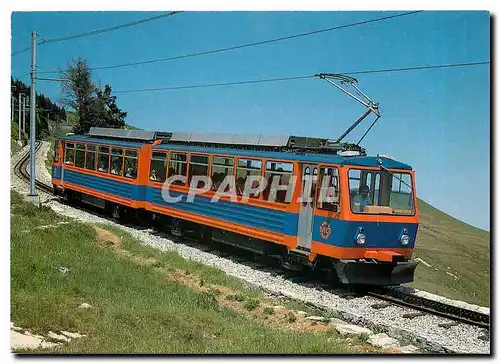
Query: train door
x=309 y=179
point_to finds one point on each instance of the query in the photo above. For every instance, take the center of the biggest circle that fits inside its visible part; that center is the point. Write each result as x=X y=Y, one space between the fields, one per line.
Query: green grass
x=136 y=308
x=443 y=241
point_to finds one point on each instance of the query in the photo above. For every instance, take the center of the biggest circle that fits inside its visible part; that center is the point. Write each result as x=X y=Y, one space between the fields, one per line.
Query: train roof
x=312 y=157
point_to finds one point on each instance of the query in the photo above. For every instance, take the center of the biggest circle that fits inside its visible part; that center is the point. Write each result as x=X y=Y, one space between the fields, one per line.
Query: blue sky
x=438 y=121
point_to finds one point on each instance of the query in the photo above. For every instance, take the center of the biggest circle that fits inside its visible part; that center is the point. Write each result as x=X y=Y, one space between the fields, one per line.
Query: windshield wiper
x=399 y=179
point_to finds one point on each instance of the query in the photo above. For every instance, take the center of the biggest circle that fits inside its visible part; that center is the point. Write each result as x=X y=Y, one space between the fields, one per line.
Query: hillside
x=458 y=255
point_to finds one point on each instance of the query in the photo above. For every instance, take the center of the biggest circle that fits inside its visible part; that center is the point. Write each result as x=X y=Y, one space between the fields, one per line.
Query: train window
x=376 y=192
x=103 y=160
x=131 y=163
x=198 y=166
x=245 y=169
x=177 y=167
x=90 y=157
x=69 y=157
x=278 y=174
x=56 y=151
x=401 y=195
x=80 y=155
x=328 y=189
x=117 y=161
x=221 y=167
x=158 y=166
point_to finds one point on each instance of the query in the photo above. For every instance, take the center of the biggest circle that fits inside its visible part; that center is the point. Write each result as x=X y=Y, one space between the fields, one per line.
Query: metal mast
x=32 y=115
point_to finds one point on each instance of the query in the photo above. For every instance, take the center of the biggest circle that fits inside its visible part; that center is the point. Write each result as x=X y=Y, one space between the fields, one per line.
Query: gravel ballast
x=423 y=330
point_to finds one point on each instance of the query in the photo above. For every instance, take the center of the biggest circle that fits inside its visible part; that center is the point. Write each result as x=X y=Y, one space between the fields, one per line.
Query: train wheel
x=176 y=228
x=116 y=212
x=205 y=234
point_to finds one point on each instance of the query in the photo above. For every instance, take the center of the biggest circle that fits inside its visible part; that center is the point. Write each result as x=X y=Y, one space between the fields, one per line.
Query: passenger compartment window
x=103 y=161
x=90 y=157
x=177 y=167
x=278 y=176
x=55 y=158
x=198 y=166
x=328 y=189
x=80 y=155
x=117 y=161
x=247 y=168
x=221 y=167
x=158 y=166
x=69 y=155
x=131 y=163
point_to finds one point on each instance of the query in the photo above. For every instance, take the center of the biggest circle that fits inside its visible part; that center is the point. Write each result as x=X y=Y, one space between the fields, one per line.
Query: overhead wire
x=246 y=45
x=244 y=82
x=97 y=31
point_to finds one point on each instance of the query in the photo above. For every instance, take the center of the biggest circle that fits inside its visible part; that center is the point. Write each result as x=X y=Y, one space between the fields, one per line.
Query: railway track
x=20 y=170
x=389 y=295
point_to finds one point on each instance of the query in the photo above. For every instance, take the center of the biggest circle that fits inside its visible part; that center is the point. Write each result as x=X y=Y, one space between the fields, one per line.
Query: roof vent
x=349 y=153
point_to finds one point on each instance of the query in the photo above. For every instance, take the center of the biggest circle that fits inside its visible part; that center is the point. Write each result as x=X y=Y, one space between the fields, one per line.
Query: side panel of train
x=132 y=175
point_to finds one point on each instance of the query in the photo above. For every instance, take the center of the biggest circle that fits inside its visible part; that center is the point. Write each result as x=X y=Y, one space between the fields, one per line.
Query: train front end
x=372 y=236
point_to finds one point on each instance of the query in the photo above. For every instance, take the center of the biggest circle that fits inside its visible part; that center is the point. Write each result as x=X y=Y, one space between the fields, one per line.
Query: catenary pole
x=32 y=115
x=19 y=114
x=23 y=102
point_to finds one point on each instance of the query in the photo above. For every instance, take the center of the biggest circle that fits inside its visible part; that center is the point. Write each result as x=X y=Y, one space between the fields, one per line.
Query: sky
x=437 y=121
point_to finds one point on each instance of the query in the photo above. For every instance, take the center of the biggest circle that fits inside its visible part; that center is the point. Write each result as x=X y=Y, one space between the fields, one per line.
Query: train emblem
x=325 y=230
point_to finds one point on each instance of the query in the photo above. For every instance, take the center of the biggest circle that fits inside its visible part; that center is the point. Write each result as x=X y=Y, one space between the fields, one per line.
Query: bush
x=207 y=301
x=290 y=317
x=235 y=297
x=251 y=304
x=268 y=310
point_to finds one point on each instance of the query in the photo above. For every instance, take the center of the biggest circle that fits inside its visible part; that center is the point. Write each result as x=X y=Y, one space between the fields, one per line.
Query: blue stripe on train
x=378 y=234
x=56 y=172
x=252 y=216
x=257 y=217
x=117 y=188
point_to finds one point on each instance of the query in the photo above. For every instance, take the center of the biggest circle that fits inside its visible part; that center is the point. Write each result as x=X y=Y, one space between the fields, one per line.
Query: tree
x=46 y=109
x=93 y=106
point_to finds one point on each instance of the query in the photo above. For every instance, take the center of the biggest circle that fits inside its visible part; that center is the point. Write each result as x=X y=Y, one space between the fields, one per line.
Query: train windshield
x=381 y=192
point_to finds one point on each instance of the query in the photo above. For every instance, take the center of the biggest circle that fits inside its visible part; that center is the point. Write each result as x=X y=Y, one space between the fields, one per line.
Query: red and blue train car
x=364 y=232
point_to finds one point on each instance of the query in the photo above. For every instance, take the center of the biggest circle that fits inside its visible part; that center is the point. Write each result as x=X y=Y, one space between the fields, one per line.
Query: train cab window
x=245 y=169
x=90 y=157
x=278 y=174
x=381 y=192
x=117 y=161
x=80 y=155
x=198 y=166
x=328 y=189
x=131 y=163
x=158 y=167
x=69 y=155
x=177 y=167
x=103 y=160
x=221 y=168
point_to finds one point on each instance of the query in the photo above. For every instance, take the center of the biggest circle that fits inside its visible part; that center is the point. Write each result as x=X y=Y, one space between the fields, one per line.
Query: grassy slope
x=143 y=300
x=443 y=242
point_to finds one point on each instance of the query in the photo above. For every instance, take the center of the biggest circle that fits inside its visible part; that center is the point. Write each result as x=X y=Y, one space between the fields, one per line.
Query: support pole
x=12 y=107
x=19 y=114
x=33 y=115
x=23 y=102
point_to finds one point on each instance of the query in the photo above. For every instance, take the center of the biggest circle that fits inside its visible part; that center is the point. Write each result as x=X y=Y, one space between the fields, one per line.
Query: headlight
x=405 y=239
x=360 y=239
